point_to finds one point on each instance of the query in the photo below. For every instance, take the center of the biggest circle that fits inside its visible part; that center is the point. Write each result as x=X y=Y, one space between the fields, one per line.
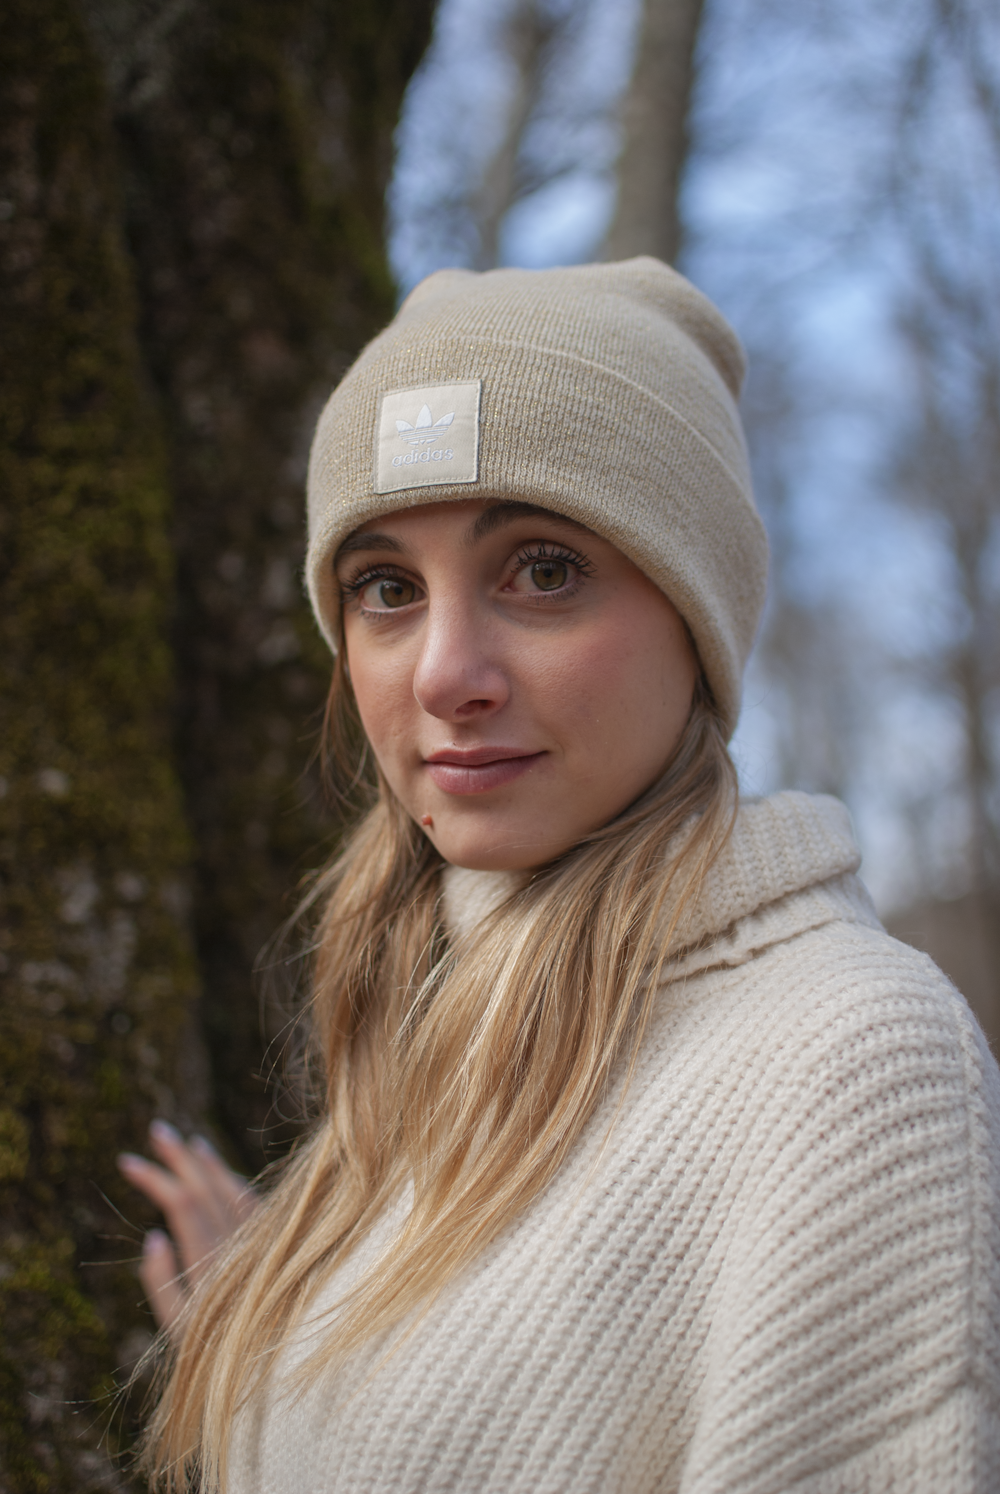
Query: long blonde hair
x=467 y=1068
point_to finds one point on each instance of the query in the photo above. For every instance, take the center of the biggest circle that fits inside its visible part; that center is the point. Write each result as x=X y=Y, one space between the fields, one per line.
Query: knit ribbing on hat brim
x=648 y=486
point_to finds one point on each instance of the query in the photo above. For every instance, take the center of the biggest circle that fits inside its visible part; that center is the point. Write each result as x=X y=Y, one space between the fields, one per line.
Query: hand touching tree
x=203 y=1202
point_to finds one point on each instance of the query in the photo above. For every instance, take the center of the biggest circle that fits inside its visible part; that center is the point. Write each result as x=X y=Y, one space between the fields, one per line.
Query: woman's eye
x=545 y=574
x=387 y=593
x=549 y=575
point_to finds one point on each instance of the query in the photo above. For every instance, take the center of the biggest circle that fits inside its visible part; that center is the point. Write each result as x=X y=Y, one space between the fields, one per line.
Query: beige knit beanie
x=604 y=392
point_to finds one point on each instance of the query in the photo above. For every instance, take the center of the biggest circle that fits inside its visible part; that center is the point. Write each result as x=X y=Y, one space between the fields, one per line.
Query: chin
x=511 y=853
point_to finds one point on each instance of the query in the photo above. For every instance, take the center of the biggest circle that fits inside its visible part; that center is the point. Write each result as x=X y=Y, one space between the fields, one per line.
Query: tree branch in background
x=528 y=40
x=654 y=119
x=510 y=125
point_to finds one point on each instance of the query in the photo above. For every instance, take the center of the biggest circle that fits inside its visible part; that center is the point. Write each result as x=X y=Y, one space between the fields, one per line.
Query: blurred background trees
x=194 y=247
x=859 y=258
x=944 y=474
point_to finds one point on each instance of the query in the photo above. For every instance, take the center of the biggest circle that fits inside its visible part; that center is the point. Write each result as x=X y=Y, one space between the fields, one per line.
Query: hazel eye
x=544 y=573
x=388 y=593
x=549 y=575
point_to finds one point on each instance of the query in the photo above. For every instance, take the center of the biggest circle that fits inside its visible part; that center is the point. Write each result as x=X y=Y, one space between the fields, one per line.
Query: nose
x=458 y=674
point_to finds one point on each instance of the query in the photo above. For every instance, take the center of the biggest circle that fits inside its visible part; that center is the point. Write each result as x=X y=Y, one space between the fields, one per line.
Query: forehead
x=482 y=518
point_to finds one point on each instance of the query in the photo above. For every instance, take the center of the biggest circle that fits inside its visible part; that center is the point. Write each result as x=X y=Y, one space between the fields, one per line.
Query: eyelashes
x=546 y=550
x=357 y=583
x=353 y=586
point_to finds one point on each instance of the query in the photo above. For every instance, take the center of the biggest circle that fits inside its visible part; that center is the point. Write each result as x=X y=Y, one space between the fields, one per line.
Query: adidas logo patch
x=415 y=447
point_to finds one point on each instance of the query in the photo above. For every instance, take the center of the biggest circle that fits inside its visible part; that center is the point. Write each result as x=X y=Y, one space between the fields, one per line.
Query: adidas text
x=424 y=456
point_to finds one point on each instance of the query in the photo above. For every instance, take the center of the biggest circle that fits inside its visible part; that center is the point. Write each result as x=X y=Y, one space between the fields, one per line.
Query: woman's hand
x=203 y=1202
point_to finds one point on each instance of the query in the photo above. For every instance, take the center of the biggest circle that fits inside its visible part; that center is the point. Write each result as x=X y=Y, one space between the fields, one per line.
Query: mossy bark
x=98 y=968
x=257 y=143
x=191 y=241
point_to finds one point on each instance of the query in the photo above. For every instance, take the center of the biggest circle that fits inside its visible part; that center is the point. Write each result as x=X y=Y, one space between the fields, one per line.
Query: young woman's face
x=520 y=681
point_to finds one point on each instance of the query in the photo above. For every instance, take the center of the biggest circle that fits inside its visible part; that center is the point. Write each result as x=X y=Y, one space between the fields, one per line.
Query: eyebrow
x=368 y=541
x=507 y=511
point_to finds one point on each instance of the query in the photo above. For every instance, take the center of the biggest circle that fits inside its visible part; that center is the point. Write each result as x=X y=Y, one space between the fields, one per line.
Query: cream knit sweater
x=776 y=1269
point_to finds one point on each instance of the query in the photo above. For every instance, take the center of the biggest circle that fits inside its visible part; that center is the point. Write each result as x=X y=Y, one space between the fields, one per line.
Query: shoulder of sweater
x=822 y=951
x=849 y=1104
x=843 y=1078
x=837 y=1002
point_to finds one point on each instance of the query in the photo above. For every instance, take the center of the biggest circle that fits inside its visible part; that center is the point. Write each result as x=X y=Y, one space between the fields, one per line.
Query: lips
x=478 y=769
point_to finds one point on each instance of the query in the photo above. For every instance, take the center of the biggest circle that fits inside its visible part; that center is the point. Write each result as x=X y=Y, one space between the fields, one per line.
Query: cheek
x=627 y=681
x=382 y=682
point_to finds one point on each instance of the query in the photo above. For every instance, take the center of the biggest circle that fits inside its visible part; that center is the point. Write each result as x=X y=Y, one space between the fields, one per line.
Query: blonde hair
x=468 y=1068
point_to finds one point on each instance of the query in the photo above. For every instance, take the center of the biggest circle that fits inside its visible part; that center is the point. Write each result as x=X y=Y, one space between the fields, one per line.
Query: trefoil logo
x=425 y=429
x=423 y=434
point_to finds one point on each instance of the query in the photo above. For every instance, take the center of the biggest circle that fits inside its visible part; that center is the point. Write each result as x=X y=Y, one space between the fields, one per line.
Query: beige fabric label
x=428 y=435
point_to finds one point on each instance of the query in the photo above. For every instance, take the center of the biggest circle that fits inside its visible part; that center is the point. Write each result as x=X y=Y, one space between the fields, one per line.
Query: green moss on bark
x=257 y=147
x=191 y=252
x=98 y=975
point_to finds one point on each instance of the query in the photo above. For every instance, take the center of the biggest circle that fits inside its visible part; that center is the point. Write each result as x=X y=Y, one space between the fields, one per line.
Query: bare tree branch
x=655 y=124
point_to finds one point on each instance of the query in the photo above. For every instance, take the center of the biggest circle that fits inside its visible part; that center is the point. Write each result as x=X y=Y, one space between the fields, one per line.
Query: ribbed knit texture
x=608 y=394
x=774 y=1267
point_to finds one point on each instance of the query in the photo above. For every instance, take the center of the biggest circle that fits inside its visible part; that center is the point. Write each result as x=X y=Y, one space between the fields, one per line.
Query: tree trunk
x=186 y=271
x=97 y=963
x=257 y=145
x=655 y=129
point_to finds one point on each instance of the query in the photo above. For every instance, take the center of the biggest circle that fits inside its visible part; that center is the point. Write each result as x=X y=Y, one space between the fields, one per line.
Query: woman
x=644 y=1158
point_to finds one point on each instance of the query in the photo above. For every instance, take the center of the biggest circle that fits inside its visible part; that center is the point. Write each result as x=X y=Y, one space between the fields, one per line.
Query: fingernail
x=202 y=1144
x=129 y=1159
x=164 y=1131
x=154 y=1241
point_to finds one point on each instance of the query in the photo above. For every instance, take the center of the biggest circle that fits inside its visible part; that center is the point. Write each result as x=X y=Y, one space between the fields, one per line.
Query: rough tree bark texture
x=190 y=232
x=655 y=129
x=98 y=969
x=257 y=143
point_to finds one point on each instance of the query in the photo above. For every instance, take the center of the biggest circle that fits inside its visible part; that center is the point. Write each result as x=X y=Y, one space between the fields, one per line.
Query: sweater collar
x=790 y=843
x=780 y=845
